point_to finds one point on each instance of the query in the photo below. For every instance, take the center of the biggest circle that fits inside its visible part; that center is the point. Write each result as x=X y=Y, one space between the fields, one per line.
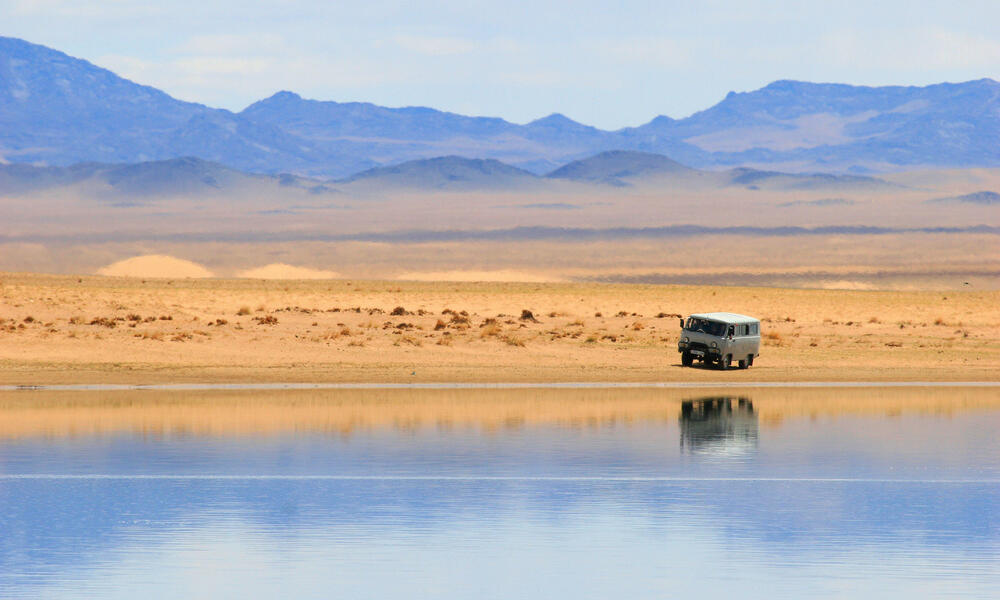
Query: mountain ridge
x=59 y=110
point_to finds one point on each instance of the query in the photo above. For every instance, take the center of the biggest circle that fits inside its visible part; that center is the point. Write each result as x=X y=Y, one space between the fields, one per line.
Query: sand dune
x=286 y=271
x=155 y=265
x=503 y=275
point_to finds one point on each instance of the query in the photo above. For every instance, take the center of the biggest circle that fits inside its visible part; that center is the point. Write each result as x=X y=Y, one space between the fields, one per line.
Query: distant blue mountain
x=617 y=167
x=59 y=110
x=137 y=181
x=447 y=173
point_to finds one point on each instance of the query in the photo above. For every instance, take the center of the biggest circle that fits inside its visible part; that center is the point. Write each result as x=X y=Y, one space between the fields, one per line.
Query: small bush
x=243 y=311
x=527 y=315
x=76 y=320
x=512 y=340
x=399 y=311
x=490 y=329
x=638 y=326
x=166 y=318
x=29 y=319
x=268 y=320
x=439 y=325
x=104 y=322
x=134 y=317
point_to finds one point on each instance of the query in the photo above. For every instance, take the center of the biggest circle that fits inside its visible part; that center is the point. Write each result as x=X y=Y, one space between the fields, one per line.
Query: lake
x=521 y=493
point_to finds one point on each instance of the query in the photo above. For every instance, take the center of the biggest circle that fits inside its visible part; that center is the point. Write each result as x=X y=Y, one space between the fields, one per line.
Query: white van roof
x=726 y=317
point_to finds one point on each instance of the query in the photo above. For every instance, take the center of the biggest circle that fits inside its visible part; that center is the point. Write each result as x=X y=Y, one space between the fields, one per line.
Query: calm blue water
x=713 y=504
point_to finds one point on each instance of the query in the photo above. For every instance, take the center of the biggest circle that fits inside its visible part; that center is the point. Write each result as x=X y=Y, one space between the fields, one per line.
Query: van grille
x=698 y=346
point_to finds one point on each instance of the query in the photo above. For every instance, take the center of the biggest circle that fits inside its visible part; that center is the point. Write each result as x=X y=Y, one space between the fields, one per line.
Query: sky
x=605 y=64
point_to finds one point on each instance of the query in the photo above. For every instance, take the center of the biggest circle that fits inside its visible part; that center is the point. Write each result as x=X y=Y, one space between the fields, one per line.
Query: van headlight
x=714 y=345
x=685 y=340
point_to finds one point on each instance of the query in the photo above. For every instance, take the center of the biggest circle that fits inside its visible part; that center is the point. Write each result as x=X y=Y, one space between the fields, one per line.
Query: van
x=718 y=339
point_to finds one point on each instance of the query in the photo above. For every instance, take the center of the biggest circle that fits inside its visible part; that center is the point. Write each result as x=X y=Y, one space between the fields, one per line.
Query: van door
x=743 y=348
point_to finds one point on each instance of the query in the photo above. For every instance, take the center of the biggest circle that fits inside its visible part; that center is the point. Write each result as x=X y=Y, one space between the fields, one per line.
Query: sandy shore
x=62 y=329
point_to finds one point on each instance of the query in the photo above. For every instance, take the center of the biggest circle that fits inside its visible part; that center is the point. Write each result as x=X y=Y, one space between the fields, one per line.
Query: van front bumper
x=697 y=349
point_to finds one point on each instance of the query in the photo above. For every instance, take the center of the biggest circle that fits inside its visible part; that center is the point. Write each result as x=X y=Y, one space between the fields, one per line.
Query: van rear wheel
x=725 y=362
x=743 y=364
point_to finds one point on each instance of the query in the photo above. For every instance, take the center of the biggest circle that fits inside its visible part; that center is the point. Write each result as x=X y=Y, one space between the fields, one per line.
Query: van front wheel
x=687 y=359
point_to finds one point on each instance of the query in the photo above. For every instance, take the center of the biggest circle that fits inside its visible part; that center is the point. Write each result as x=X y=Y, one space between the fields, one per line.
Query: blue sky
x=605 y=64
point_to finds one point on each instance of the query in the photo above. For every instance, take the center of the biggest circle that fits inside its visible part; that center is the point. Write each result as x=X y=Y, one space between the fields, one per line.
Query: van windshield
x=705 y=326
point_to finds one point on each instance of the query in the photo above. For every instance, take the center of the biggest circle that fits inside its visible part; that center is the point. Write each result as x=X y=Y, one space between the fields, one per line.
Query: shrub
x=399 y=311
x=490 y=329
x=512 y=340
x=527 y=315
x=268 y=320
x=243 y=311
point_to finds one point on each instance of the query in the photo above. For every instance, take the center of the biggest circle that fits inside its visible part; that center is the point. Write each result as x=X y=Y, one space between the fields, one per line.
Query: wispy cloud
x=910 y=50
x=435 y=45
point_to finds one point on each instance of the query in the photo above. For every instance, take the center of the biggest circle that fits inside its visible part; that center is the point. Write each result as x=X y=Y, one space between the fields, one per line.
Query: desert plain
x=895 y=278
x=68 y=329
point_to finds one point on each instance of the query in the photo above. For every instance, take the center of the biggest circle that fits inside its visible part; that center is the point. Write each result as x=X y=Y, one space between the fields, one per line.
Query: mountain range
x=58 y=110
x=194 y=177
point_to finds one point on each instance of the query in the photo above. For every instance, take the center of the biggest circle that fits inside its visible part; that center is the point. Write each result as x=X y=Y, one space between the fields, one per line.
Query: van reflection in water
x=719 y=426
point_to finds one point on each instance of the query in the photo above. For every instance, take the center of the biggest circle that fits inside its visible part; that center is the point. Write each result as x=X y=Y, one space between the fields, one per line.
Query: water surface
x=500 y=493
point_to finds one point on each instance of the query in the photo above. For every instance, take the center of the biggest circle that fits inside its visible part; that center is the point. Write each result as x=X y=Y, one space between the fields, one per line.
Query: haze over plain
x=101 y=169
